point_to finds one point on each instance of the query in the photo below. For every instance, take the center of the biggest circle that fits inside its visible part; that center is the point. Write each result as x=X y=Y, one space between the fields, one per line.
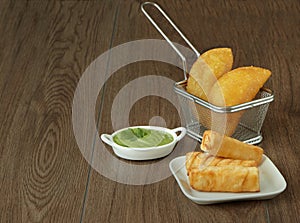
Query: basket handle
x=165 y=36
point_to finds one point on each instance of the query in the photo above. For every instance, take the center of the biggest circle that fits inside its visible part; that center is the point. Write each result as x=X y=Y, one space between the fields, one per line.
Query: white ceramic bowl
x=145 y=153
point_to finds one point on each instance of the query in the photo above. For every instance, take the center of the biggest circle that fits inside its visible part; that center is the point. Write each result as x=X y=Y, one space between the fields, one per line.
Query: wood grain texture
x=45 y=47
x=258 y=35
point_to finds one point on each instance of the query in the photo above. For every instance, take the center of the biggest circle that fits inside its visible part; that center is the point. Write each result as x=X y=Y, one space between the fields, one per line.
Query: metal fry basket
x=245 y=119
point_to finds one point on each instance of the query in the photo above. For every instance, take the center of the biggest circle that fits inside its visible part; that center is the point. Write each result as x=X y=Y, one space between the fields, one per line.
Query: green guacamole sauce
x=142 y=138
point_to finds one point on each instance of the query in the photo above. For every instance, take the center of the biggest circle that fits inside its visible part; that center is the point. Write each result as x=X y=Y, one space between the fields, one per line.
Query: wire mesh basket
x=249 y=116
x=242 y=121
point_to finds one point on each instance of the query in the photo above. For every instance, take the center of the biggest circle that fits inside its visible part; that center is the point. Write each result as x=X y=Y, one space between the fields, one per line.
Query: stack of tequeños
x=228 y=165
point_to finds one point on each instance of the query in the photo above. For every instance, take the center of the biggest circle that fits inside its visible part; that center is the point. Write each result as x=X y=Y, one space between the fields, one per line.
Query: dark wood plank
x=260 y=34
x=281 y=145
x=281 y=129
x=45 y=47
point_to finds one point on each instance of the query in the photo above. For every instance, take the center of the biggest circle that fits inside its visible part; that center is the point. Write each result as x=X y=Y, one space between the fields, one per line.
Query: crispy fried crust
x=225 y=179
x=210 y=66
x=224 y=146
x=238 y=86
x=199 y=160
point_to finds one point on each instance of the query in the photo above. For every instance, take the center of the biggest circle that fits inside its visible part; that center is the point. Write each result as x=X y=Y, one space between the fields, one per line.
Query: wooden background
x=45 y=46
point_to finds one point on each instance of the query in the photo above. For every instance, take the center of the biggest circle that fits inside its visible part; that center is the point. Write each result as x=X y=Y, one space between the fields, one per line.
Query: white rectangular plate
x=272 y=183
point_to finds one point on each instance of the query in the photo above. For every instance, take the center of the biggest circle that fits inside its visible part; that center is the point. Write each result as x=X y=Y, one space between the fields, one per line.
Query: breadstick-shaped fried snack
x=225 y=179
x=199 y=160
x=224 y=146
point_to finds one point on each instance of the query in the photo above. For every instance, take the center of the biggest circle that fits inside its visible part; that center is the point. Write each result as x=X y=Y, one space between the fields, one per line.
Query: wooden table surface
x=45 y=47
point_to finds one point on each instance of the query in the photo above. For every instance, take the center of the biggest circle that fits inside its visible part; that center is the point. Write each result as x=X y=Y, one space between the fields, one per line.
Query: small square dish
x=272 y=183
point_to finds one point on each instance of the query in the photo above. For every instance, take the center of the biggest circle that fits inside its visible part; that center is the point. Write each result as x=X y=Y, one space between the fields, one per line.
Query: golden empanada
x=235 y=87
x=210 y=66
x=238 y=86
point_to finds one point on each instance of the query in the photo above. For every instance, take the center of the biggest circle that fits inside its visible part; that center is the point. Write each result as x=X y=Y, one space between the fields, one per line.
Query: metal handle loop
x=165 y=36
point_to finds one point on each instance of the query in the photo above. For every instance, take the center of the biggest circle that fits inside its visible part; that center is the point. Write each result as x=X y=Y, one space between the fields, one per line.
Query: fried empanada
x=236 y=87
x=210 y=66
